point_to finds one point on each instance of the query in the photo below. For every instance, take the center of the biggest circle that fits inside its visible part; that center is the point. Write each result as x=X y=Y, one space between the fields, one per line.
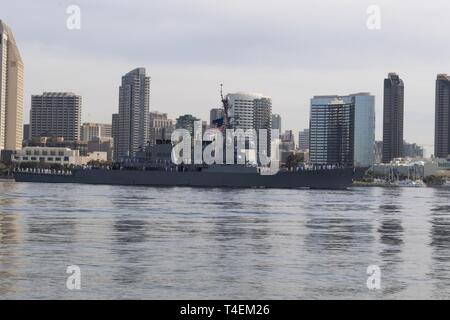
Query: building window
x=57 y=159
x=33 y=159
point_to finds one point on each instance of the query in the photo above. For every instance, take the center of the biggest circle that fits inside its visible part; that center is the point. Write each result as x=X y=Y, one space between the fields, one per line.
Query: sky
x=289 y=50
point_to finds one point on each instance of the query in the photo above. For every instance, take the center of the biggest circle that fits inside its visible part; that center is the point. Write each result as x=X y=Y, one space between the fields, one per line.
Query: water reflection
x=440 y=240
x=129 y=235
x=337 y=230
x=189 y=243
x=391 y=239
x=10 y=240
x=51 y=230
x=336 y=234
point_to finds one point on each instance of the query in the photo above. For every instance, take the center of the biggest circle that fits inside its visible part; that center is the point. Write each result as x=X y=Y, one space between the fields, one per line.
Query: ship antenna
x=221 y=91
x=226 y=108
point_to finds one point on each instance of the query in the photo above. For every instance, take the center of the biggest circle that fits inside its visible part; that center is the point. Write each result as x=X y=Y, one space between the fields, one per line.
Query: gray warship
x=153 y=167
x=215 y=176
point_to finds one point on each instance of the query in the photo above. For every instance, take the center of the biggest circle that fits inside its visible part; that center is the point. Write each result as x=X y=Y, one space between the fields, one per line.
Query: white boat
x=411 y=183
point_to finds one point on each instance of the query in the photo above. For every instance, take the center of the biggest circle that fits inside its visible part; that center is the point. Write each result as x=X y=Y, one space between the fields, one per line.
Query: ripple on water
x=137 y=242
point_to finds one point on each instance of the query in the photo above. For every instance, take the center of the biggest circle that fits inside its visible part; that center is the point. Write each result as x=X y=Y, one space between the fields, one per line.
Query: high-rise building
x=251 y=111
x=332 y=132
x=160 y=127
x=303 y=140
x=276 y=121
x=393 y=107
x=186 y=121
x=26 y=132
x=56 y=114
x=215 y=114
x=364 y=126
x=105 y=130
x=11 y=91
x=115 y=135
x=134 y=99
x=442 y=117
x=95 y=130
x=364 y=136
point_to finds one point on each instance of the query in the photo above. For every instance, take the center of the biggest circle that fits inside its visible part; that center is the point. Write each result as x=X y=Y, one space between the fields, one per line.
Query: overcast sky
x=287 y=49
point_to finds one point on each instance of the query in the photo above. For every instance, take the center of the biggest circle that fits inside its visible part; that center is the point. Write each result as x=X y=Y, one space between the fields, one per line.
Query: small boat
x=411 y=183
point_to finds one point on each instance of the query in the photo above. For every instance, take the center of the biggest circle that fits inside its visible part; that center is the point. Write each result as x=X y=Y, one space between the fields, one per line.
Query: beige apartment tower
x=134 y=100
x=11 y=91
x=56 y=114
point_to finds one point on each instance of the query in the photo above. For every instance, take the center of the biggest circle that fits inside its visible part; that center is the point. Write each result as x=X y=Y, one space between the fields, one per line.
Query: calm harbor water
x=183 y=243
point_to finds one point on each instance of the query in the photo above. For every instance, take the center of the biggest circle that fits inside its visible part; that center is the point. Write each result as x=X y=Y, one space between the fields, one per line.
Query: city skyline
x=224 y=159
x=195 y=76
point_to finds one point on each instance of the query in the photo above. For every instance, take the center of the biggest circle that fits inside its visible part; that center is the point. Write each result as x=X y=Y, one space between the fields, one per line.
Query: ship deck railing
x=175 y=168
x=44 y=171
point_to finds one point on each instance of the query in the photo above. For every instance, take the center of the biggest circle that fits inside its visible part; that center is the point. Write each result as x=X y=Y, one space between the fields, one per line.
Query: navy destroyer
x=153 y=167
x=216 y=176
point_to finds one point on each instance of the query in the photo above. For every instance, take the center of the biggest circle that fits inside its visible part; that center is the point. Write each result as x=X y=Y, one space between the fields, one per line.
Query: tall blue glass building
x=364 y=124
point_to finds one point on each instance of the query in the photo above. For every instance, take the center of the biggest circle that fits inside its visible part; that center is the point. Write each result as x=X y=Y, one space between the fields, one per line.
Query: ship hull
x=315 y=179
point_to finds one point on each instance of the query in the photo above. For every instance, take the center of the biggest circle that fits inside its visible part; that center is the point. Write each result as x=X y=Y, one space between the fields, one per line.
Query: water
x=183 y=243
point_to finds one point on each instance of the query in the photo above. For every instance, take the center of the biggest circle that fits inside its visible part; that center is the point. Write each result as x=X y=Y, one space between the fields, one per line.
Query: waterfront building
x=364 y=135
x=401 y=168
x=276 y=121
x=412 y=150
x=11 y=91
x=364 y=124
x=55 y=155
x=331 y=132
x=90 y=131
x=101 y=144
x=303 y=140
x=115 y=135
x=160 y=127
x=56 y=114
x=134 y=99
x=393 y=109
x=59 y=142
x=442 y=117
